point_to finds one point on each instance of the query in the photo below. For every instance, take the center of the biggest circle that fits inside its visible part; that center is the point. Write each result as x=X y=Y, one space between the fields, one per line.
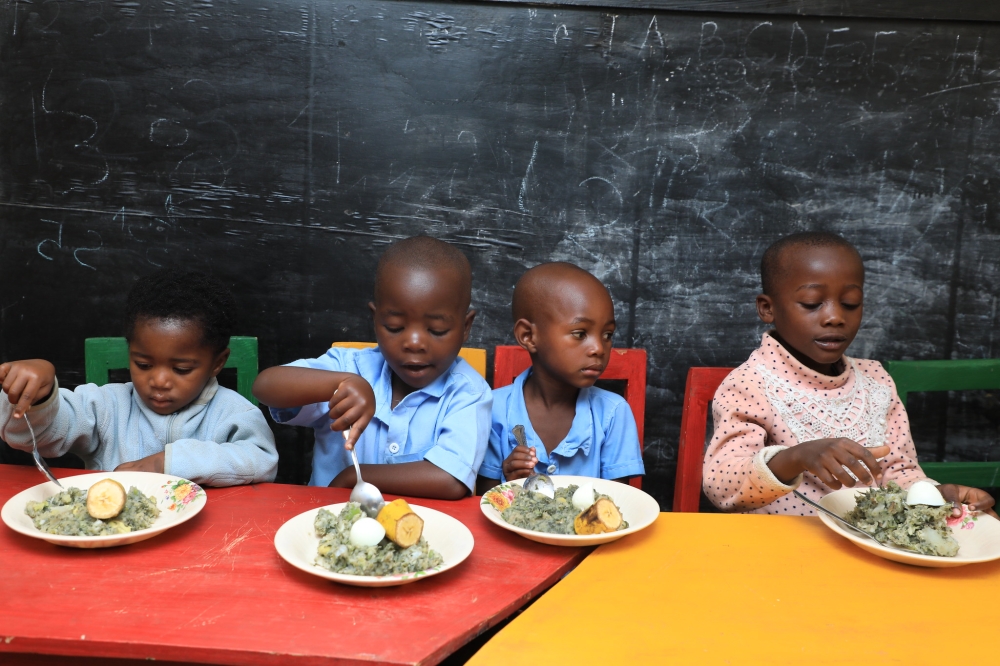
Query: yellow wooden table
x=733 y=589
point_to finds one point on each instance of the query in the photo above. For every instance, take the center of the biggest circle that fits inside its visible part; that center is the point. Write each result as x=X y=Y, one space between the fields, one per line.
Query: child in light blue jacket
x=173 y=417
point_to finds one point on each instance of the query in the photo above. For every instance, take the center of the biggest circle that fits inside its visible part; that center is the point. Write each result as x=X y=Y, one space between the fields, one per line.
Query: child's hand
x=352 y=407
x=153 y=463
x=826 y=458
x=520 y=463
x=27 y=382
x=976 y=499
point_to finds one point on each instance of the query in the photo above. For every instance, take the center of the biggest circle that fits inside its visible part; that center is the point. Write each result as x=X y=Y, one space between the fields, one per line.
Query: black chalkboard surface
x=282 y=145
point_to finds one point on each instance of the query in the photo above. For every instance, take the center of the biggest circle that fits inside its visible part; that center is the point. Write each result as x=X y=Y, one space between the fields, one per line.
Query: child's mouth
x=593 y=371
x=830 y=344
x=159 y=402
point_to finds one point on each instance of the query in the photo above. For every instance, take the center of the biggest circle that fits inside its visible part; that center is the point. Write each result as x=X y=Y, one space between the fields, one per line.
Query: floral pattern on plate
x=501 y=496
x=181 y=493
x=966 y=521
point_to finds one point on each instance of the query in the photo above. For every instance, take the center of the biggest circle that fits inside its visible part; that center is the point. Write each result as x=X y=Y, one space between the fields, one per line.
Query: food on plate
x=584 y=497
x=402 y=526
x=885 y=514
x=602 y=516
x=366 y=532
x=66 y=513
x=339 y=553
x=559 y=515
x=924 y=492
x=105 y=499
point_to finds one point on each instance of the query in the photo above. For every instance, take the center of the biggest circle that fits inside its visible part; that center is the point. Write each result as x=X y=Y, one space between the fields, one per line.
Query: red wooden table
x=214 y=590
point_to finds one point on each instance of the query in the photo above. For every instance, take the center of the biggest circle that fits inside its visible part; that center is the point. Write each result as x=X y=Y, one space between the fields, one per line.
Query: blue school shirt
x=446 y=423
x=602 y=442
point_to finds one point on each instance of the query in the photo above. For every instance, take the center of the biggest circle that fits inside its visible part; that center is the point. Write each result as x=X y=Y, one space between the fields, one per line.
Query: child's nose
x=160 y=379
x=834 y=315
x=414 y=340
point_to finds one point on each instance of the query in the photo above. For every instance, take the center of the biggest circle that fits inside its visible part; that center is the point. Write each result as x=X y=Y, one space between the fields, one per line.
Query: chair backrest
x=953 y=375
x=698 y=392
x=628 y=365
x=104 y=354
x=473 y=356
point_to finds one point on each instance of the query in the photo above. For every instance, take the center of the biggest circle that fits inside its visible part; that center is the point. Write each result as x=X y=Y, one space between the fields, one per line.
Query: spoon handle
x=40 y=463
x=518 y=432
x=850 y=525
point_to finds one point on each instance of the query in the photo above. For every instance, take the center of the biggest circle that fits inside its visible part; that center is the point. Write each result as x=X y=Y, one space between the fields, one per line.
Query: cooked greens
x=884 y=513
x=338 y=554
x=534 y=511
x=66 y=514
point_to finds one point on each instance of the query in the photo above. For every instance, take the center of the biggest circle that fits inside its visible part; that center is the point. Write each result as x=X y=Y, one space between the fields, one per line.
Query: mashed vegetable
x=884 y=513
x=534 y=511
x=338 y=554
x=66 y=514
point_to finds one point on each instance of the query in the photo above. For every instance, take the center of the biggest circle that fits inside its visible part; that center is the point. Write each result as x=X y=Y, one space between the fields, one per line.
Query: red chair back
x=698 y=392
x=628 y=365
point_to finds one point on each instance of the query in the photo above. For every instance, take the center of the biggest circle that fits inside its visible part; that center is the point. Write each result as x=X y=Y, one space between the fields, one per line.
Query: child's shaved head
x=774 y=263
x=429 y=254
x=540 y=285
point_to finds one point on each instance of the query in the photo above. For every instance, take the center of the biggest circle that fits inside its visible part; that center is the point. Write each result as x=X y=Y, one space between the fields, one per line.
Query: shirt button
x=551 y=469
x=394 y=448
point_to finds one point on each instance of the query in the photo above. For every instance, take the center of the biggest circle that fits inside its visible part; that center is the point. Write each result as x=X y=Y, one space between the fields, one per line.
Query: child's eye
x=142 y=366
x=439 y=334
x=393 y=329
x=183 y=371
x=850 y=306
x=810 y=306
x=608 y=335
x=579 y=335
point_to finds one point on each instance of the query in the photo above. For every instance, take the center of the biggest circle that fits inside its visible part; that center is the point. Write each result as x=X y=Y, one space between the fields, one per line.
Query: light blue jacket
x=220 y=439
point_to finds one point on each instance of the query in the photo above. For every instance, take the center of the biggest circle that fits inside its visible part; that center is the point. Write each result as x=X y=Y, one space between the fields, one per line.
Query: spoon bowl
x=364 y=493
x=40 y=463
x=539 y=483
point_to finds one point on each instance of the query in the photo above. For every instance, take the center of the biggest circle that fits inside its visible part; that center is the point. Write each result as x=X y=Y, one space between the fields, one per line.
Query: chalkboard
x=283 y=145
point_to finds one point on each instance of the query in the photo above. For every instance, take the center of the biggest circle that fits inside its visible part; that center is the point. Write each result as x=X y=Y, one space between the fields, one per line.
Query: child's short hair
x=770 y=263
x=195 y=296
x=425 y=252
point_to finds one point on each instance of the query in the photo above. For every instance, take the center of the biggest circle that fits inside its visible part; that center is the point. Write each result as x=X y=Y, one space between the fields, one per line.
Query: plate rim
x=874 y=546
x=574 y=540
x=370 y=581
x=193 y=510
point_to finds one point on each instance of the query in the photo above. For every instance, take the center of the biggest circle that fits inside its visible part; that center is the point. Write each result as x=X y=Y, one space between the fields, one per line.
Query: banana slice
x=105 y=499
x=602 y=516
x=402 y=526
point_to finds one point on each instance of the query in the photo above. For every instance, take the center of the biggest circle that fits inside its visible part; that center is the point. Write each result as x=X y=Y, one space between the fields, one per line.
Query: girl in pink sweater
x=798 y=414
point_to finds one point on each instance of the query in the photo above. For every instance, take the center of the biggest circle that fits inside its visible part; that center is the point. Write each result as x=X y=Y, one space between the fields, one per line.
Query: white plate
x=179 y=500
x=296 y=542
x=638 y=509
x=978 y=540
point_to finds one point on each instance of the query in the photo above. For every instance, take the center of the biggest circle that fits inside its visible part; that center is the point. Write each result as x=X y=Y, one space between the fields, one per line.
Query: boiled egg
x=924 y=492
x=584 y=497
x=366 y=532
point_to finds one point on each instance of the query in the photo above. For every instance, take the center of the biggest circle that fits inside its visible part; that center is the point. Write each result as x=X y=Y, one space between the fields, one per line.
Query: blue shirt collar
x=580 y=433
x=383 y=385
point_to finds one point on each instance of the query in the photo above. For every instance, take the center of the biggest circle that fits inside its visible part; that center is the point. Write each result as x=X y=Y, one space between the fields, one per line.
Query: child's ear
x=469 y=318
x=765 y=308
x=524 y=335
x=220 y=362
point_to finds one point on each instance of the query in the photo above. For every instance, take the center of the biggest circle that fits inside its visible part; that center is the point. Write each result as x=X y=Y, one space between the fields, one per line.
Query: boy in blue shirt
x=564 y=318
x=417 y=415
x=173 y=417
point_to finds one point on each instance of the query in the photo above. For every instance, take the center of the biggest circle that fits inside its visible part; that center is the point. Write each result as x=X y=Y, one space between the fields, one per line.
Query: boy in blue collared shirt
x=417 y=415
x=565 y=319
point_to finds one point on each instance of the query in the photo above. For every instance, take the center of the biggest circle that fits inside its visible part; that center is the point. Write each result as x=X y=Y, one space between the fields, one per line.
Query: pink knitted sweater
x=772 y=402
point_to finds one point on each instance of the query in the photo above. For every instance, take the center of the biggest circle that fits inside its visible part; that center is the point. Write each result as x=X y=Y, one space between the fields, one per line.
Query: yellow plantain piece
x=402 y=526
x=602 y=516
x=105 y=499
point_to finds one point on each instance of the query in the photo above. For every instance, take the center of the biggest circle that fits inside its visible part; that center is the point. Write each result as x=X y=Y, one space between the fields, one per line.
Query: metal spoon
x=365 y=494
x=539 y=483
x=849 y=525
x=40 y=463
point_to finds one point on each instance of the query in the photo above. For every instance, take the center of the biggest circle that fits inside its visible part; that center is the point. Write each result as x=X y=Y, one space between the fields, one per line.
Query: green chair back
x=104 y=354
x=958 y=375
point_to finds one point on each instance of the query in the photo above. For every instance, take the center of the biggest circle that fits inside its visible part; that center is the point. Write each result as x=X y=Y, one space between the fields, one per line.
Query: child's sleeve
x=736 y=476
x=496 y=451
x=621 y=455
x=67 y=422
x=463 y=435
x=242 y=451
x=901 y=464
